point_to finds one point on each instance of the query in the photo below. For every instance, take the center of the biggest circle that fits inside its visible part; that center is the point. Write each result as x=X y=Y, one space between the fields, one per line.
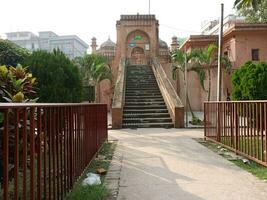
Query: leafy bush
x=16 y=84
x=59 y=80
x=11 y=54
x=250 y=82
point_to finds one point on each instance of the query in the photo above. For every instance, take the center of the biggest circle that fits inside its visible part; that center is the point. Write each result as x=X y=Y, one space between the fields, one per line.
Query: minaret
x=174 y=44
x=94 y=45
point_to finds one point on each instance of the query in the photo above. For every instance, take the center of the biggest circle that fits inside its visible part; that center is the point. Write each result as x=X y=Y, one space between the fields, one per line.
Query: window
x=32 y=45
x=255 y=54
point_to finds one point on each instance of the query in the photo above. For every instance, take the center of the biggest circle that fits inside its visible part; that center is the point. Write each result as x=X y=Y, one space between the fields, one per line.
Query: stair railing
x=172 y=100
x=118 y=97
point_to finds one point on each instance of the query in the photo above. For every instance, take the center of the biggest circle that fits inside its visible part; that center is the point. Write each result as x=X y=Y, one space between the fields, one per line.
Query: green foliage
x=11 y=54
x=16 y=84
x=250 y=82
x=94 y=69
x=201 y=74
x=206 y=58
x=254 y=11
x=239 y=4
x=59 y=80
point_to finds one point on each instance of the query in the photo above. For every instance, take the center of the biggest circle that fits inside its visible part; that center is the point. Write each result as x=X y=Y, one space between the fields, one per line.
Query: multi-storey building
x=71 y=45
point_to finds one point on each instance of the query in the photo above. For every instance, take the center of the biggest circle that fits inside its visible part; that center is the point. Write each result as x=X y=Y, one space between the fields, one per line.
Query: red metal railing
x=44 y=148
x=240 y=126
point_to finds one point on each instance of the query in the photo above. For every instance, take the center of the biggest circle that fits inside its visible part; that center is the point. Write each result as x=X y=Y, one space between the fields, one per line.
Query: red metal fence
x=240 y=126
x=44 y=148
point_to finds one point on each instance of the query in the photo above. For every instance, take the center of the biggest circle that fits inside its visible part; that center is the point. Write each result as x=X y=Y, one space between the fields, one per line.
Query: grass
x=254 y=168
x=95 y=192
x=253 y=145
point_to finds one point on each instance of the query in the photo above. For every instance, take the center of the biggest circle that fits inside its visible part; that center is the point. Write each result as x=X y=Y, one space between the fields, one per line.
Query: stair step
x=146 y=115
x=144 y=103
x=146 y=120
x=145 y=107
x=144 y=97
x=142 y=91
x=140 y=85
x=138 y=111
x=142 y=88
x=157 y=100
x=147 y=125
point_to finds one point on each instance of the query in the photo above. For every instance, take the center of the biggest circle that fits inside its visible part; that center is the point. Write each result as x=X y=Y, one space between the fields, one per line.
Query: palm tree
x=246 y=3
x=206 y=58
x=94 y=69
x=179 y=59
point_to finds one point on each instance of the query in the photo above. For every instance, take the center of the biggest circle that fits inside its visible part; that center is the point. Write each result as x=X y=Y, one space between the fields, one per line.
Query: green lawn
x=253 y=146
x=254 y=168
x=97 y=192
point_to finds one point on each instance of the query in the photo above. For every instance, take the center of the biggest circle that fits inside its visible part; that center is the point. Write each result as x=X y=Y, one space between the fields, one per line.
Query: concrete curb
x=112 y=179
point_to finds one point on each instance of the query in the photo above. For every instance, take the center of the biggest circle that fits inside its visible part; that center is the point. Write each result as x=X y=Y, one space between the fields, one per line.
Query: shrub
x=250 y=82
x=59 y=80
x=11 y=54
x=16 y=84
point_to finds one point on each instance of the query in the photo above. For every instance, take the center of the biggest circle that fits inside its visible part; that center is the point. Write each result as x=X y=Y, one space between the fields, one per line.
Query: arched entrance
x=138 y=47
x=138 y=56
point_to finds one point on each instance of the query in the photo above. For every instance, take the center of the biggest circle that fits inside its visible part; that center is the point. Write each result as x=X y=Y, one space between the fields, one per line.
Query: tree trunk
x=97 y=93
x=209 y=84
x=190 y=108
x=91 y=93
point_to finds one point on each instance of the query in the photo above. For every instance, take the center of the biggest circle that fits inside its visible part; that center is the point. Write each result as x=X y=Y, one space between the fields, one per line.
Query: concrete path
x=168 y=164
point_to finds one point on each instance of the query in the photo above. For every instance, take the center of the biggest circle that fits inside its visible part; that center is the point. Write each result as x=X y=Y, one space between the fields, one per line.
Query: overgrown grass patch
x=254 y=168
x=95 y=192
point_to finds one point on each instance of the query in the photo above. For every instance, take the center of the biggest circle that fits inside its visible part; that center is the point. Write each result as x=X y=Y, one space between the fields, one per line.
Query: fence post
x=205 y=122
x=218 y=122
x=236 y=126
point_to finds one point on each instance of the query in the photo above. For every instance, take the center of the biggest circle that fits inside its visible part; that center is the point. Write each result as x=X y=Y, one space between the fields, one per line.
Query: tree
x=95 y=69
x=179 y=58
x=11 y=54
x=59 y=80
x=254 y=11
x=206 y=58
x=250 y=82
x=247 y=3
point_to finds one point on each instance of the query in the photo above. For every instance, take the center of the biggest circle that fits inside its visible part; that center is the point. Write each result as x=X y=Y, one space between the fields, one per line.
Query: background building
x=71 y=45
x=242 y=42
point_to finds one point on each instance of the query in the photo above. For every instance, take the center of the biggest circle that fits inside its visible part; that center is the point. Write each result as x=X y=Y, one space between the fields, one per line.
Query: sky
x=97 y=18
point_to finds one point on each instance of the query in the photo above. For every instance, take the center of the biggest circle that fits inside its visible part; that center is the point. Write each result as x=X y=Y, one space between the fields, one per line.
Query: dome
x=108 y=45
x=162 y=44
x=174 y=37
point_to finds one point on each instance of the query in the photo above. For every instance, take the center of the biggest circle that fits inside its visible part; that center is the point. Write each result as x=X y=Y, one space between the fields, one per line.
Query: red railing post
x=6 y=156
x=32 y=153
x=57 y=142
x=218 y=124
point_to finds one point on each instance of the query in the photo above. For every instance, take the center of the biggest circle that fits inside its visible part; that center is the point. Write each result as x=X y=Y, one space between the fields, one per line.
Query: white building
x=71 y=45
x=212 y=27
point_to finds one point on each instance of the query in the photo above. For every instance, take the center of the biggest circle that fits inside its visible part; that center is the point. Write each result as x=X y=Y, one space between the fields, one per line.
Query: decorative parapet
x=172 y=100
x=140 y=20
x=118 y=97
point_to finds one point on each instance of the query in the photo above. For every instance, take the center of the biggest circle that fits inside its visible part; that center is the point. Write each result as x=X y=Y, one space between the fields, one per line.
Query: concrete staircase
x=144 y=105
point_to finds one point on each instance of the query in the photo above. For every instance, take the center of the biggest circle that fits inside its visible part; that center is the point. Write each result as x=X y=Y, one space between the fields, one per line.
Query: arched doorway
x=138 y=56
x=138 y=47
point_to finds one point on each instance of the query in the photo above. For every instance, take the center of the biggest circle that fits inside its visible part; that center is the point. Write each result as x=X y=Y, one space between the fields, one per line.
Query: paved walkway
x=167 y=164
